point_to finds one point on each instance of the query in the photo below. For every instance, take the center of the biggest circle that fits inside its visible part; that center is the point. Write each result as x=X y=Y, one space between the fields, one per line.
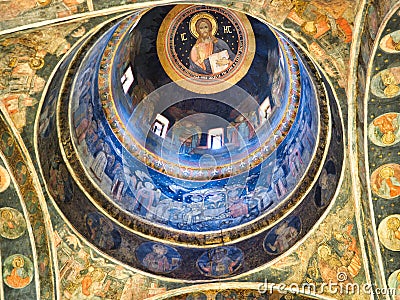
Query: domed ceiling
x=194 y=134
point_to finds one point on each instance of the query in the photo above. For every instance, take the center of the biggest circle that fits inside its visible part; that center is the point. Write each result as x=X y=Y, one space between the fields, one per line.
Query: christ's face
x=204 y=30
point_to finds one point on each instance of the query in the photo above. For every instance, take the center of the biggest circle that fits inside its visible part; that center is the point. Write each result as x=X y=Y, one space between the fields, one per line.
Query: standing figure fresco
x=102 y=232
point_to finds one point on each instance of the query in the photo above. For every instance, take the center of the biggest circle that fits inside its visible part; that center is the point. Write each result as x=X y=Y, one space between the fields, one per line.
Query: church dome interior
x=228 y=150
x=166 y=165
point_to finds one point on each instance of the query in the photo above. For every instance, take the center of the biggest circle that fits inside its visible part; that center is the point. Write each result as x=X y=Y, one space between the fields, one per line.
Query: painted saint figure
x=210 y=54
x=386 y=128
x=20 y=273
x=387 y=183
x=220 y=262
x=12 y=223
x=158 y=258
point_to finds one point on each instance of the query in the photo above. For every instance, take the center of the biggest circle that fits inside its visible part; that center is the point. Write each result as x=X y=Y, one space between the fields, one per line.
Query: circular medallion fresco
x=158 y=258
x=389 y=232
x=205 y=49
x=220 y=262
x=12 y=223
x=282 y=236
x=385 y=84
x=17 y=271
x=394 y=283
x=390 y=43
x=385 y=130
x=385 y=181
x=4 y=179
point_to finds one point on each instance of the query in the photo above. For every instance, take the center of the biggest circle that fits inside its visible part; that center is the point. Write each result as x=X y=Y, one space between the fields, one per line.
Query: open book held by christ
x=213 y=58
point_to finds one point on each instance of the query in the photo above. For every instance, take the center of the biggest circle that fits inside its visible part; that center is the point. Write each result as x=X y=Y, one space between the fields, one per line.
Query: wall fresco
x=147 y=193
x=110 y=244
x=20 y=210
x=383 y=156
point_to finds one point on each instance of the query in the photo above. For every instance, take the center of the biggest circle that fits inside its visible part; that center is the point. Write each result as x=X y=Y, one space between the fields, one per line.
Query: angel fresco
x=385 y=130
x=336 y=260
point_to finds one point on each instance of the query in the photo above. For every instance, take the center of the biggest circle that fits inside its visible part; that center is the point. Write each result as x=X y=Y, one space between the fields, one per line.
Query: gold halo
x=7 y=215
x=18 y=262
x=386 y=172
x=202 y=15
x=388 y=138
x=36 y=63
x=393 y=223
x=391 y=90
x=323 y=248
x=43 y=2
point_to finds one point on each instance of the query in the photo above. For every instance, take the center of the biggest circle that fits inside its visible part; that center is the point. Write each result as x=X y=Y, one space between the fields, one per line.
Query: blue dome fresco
x=191 y=129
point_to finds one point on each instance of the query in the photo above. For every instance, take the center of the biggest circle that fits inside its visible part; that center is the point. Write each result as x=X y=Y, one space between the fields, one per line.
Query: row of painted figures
x=17 y=270
x=218 y=262
x=384 y=132
x=150 y=202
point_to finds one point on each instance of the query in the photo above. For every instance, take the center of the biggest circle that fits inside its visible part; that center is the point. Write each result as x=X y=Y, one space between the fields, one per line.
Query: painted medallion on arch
x=385 y=181
x=12 y=223
x=220 y=262
x=4 y=179
x=390 y=43
x=394 y=284
x=201 y=45
x=283 y=236
x=158 y=258
x=389 y=232
x=385 y=130
x=385 y=84
x=17 y=271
